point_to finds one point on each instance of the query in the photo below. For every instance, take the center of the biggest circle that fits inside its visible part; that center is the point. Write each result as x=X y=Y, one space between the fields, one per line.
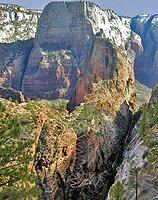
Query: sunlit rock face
x=146 y=65
x=17 y=23
x=64 y=44
x=110 y=79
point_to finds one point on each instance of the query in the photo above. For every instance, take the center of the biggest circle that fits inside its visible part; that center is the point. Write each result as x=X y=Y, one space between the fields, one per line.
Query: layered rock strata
x=64 y=44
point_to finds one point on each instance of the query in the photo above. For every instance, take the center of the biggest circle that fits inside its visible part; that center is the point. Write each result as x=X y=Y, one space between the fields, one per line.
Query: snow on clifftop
x=114 y=27
x=17 y=23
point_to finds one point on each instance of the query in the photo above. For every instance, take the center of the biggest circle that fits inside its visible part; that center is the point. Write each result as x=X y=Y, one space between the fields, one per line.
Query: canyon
x=72 y=84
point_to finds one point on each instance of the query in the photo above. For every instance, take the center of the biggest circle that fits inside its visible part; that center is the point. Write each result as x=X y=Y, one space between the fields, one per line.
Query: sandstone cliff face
x=64 y=44
x=17 y=23
x=146 y=64
x=114 y=68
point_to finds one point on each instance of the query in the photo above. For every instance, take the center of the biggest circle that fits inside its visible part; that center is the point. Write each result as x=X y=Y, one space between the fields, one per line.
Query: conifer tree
x=117 y=192
x=144 y=125
x=133 y=179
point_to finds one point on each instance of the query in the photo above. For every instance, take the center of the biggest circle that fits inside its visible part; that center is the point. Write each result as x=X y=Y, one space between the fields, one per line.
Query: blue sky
x=121 y=7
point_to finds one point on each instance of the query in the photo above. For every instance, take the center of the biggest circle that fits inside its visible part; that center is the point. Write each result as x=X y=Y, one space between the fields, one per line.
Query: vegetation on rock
x=20 y=127
x=16 y=181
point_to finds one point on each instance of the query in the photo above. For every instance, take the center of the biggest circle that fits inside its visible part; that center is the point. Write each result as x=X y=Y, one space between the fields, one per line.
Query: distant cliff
x=146 y=64
x=51 y=65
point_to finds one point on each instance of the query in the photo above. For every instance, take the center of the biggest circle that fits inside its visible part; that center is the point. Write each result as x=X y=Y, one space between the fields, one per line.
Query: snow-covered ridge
x=17 y=23
x=114 y=27
x=142 y=23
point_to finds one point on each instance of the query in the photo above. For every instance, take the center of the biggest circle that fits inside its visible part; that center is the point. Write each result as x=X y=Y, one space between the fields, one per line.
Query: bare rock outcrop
x=9 y=93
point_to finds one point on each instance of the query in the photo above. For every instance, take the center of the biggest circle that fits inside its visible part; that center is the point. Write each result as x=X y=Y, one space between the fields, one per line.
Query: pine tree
x=153 y=114
x=133 y=179
x=117 y=192
x=144 y=124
